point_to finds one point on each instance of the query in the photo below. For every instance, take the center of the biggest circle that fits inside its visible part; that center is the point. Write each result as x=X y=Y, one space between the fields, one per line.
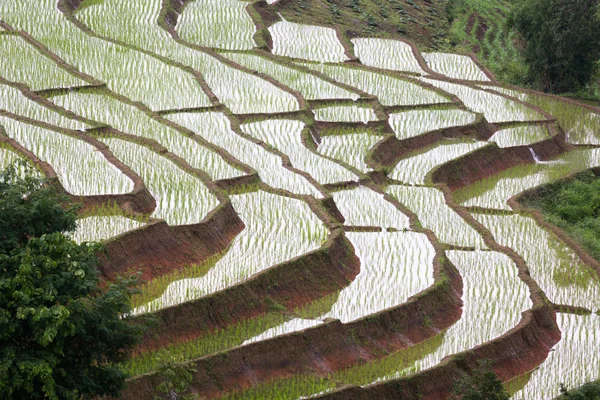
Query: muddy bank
x=289 y=284
x=491 y=160
x=513 y=354
x=326 y=348
x=158 y=249
x=387 y=152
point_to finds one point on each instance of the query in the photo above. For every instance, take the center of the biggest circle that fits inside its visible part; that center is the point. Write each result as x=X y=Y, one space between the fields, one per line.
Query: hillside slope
x=424 y=21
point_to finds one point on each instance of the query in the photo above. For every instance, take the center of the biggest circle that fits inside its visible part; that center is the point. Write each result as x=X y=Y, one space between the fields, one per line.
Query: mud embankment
x=491 y=160
x=289 y=284
x=514 y=353
x=158 y=249
x=387 y=152
x=326 y=348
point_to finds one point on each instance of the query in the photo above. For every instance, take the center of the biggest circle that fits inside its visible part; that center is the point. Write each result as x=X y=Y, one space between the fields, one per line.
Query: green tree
x=482 y=384
x=176 y=378
x=589 y=391
x=562 y=41
x=61 y=333
x=30 y=207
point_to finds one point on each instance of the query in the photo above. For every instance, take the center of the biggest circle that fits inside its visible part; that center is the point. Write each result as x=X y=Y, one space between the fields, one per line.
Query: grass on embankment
x=574 y=206
x=424 y=22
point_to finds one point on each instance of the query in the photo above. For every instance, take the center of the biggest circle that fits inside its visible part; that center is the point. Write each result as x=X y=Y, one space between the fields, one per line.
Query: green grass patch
x=574 y=206
x=423 y=22
x=153 y=289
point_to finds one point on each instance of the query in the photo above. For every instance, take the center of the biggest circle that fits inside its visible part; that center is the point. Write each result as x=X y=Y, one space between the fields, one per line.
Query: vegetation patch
x=574 y=206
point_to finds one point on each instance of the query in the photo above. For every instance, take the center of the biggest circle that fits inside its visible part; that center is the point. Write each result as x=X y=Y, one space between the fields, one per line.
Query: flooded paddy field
x=300 y=161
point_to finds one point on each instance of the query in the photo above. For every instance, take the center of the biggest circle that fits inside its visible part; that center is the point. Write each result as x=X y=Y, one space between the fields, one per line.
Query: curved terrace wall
x=157 y=249
x=491 y=159
x=292 y=283
x=513 y=354
x=391 y=149
x=329 y=347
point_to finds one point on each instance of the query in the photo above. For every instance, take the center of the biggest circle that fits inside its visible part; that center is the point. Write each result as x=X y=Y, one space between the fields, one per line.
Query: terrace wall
x=513 y=354
x=490 y=160
x=157 y=249
x=326 y=348
x=289 y=284
x=391 y=149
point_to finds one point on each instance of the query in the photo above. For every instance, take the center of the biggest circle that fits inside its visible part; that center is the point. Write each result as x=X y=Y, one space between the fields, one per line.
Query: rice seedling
x=12 y=100
x=307 y=42
x=350 y=148
x=343 y=113
x=293 y=325
x=277 y=229
x=435 y=214
x=295 y=387
x=128 y=119
x=181 y=199
x=222 y=24
x=400 y=363
x=222 y=339
x=387 y=54
x=21 y=62
x=495 y=108
x=520 y=136
x=285 y=135
x=364 y=207
x=414 y=169
x=558 y=271
x=493 y=192
x=153 y=68
x=135 y=23
x=390 y=91
x=413 y=123
x=101 y=227
x=455 y=66
x=580 y=124
x=250 y=94
x=81 y=168
x=216 y=128
x=574 y=361
x=493 y=300
x=310 y=86
x=128 y=72
x=7 y=157
x=238 y=333
x=394 y=267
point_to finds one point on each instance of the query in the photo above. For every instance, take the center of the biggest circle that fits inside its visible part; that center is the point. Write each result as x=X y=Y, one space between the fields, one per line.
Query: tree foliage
x=562 y=41
x=61 y=333
x=176 y=378
x=482 y=384
x=30 y=207
x=589 y=391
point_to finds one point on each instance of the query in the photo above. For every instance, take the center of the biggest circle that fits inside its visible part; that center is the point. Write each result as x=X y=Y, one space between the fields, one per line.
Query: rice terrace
x=316 y=211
